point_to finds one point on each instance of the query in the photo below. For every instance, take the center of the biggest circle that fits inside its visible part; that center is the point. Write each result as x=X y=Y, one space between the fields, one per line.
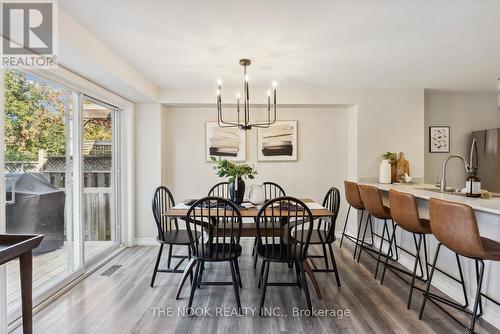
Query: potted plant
x=236 y=173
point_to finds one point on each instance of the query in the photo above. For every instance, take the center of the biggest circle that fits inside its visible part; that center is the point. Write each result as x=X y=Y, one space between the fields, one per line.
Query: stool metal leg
x=427 y=288
x=358 y=233
x=477 y=300
x=417 y=259
x=369 y=218
x=345 y=225
x=480 y=298
x=462 y=282
x=387 y=257
x=380 y=248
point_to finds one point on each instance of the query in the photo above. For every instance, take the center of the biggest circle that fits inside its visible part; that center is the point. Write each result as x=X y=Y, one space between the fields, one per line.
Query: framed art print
x=439 y=139
x=277 y=142
x=226 y=143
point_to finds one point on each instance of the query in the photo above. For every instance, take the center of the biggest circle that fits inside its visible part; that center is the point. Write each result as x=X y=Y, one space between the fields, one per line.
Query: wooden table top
x=252 y=212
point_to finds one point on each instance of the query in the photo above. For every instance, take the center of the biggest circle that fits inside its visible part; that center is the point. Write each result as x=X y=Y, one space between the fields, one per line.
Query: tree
x=34 y=118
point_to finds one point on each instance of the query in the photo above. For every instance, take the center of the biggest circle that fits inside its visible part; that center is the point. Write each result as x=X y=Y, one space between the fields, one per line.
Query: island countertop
x=421 y=191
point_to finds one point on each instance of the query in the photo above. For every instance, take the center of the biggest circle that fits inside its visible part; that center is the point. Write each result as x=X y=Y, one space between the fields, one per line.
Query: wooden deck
x=47 y=269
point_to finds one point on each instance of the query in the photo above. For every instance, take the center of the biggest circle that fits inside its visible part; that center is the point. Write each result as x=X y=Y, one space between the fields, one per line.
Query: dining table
x=250 y=230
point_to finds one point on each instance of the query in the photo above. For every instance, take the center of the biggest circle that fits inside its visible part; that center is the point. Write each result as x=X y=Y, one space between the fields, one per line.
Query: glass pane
x=38 y=178
x=98 y=208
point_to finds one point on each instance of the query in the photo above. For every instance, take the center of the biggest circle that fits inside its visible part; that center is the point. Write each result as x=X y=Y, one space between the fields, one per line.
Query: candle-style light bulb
x=219 y=82
x=268 y=93
x=238 y=96
x=274 y=84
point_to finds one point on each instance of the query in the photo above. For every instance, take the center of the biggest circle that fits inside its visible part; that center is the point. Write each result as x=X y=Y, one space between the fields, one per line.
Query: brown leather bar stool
x=454 y=225
x=353 y=197
x=372 y=201
x=405 y=215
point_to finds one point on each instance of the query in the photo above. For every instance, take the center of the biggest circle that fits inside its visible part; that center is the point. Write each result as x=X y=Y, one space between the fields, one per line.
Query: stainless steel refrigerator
x=485 y=156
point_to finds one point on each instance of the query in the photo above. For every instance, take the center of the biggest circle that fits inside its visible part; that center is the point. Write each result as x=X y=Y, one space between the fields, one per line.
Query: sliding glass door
x=61 y=180
x=99 y=207
x=39 y=173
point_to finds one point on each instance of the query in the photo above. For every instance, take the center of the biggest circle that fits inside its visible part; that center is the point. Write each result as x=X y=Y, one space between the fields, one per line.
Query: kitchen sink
x=450 y=191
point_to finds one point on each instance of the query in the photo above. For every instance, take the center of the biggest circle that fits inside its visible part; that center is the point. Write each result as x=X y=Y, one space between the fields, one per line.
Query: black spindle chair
x=324 y=233
x=214 y=230
x=275 y=243
x=168 y=231
x=221 y=189
x=271 y=190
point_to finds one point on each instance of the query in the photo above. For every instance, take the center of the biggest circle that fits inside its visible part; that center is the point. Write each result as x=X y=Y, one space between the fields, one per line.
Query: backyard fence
x=97 y=190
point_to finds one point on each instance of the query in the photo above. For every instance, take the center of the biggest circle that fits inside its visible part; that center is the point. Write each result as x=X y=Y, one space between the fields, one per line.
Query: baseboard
x=145 y=242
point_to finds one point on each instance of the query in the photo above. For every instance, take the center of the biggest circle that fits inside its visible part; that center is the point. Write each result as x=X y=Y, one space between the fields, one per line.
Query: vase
x=257 y=194
x=384 y=171
x=237 y=191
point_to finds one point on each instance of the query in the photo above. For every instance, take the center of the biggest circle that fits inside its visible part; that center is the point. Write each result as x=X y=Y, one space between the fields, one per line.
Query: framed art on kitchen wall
x=439 y=139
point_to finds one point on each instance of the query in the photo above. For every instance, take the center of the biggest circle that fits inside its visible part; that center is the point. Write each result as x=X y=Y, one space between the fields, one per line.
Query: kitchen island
x=487 y=213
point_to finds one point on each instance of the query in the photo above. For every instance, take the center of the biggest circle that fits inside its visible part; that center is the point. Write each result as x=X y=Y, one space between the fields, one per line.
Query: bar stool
x=405 y=215
x=353 y=197
x=372 y=201
x=454 y=225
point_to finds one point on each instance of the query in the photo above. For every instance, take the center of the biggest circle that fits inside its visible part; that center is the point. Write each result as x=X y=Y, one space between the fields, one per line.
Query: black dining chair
x=271 y=190
x=275 y=243
x=221 y=189
x=214 y=230
x=324 y=233
x=168 y=232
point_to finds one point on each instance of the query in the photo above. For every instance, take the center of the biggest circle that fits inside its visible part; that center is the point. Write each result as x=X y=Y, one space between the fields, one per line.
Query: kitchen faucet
x=443 y=171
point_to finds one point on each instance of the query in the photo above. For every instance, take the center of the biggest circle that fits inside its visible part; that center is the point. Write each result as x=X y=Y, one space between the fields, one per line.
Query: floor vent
x=108 y=272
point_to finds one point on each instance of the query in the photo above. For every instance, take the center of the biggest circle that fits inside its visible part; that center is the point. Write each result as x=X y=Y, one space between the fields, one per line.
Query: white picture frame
x=226 y=143
x=278 y=142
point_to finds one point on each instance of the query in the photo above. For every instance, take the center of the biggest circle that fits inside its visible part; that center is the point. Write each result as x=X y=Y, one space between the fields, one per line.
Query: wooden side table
x=13 y=246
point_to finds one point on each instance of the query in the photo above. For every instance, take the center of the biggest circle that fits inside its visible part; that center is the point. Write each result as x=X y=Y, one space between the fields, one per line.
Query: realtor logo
x=29 y=33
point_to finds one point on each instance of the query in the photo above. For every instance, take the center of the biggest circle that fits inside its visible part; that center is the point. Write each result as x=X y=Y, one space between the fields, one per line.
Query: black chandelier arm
x=220 y=120
x=222 y=123
x=245 y=124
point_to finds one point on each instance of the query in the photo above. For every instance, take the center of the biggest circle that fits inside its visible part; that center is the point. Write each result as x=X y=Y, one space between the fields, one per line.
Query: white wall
x=464 y=113
x=148 y=165
x=388 y=120
x=322 y=152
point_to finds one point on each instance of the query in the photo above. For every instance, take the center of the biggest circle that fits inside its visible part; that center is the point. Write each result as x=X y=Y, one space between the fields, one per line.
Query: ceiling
x=450 y=45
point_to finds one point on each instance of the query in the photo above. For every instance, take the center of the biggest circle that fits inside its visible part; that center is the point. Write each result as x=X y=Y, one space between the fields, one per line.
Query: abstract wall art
x=278 y=142
x=226 y=143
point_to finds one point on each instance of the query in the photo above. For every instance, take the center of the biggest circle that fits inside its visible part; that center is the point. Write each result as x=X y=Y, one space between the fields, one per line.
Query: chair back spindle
x=221 y=189
x=276 y=221
x=214 y=229
x=163 y=200
x=326 y=226
x=273 y=190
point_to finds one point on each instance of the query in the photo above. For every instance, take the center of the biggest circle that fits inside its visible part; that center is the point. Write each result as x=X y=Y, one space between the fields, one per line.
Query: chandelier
x=243 y=122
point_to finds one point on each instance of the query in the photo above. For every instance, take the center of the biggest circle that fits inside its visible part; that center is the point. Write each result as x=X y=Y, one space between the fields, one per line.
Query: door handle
x=12 y=190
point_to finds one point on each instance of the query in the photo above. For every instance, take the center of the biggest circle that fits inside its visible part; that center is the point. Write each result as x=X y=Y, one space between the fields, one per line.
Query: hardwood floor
x=47 y=269
x=124 y=302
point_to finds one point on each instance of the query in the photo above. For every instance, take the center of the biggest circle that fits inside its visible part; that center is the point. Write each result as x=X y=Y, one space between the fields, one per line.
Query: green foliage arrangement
x=389 y=156
x=233 y=170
